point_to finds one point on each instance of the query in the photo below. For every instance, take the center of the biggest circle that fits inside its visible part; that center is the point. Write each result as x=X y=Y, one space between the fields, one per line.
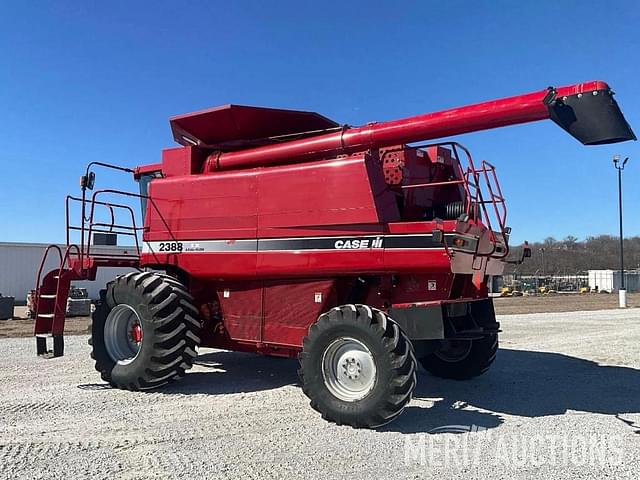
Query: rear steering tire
x=357 y=367
x=145 y=331
x=461 y=359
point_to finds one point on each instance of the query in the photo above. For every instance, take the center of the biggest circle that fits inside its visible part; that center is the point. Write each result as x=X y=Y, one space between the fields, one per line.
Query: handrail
x=63 y=262
x=86 y=230
x=133 y=195
x=496 y=198
x=481 y=204
x=434 y=184
x=469 y=203
x=472 y=180
x=92 y=224
x=125 y=227
x=486 y=168
x=38 y=277
x=89 y=225
x=83 y=200
x=477 y=201
x=111 y=206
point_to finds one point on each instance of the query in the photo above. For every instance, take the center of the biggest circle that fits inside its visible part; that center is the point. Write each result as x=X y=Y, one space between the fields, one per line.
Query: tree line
x=570 y=256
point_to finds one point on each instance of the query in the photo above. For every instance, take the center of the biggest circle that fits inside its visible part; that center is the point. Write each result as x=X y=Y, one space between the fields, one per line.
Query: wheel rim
x=453 y=350
x=349 y=369
x=123 y=334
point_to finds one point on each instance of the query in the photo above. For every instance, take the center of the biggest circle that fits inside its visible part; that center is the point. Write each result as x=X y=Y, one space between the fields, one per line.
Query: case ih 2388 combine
x=284 y=233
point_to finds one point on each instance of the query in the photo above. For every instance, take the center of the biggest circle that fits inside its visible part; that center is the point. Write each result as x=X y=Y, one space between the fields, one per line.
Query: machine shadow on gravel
x=521 y=382
x=524 y=383
x=235 y=372
x=226 y=373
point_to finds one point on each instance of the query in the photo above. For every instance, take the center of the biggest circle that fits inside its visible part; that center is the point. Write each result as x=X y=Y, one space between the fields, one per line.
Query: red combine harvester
x=284 y=233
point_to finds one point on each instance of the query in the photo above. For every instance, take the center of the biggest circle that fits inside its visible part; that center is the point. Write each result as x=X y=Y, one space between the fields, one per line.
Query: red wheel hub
x=136 y=333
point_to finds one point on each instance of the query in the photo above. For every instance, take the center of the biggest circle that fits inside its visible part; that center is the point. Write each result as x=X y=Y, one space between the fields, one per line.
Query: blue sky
x=89 y=80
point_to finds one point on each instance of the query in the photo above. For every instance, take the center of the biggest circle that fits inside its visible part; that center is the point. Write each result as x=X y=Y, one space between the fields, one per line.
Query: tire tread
x=398 y=347
x=175 y=323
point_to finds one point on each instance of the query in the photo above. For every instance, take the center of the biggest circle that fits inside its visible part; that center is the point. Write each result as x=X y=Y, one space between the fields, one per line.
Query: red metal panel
x=291 y=307
x=288 y=264
x=298 y=263
x=419 y=227
x=330 y=262
x=218 y=265
x=234 y=123
x=181 y=161
x=241 y=305
x=332 y=192
x=295 y=200
x=422 y=287
x=322 y=230
x=416 y=261
x=202 y=207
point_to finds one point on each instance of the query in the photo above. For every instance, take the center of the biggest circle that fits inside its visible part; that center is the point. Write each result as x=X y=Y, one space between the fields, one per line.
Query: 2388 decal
x=171 y=247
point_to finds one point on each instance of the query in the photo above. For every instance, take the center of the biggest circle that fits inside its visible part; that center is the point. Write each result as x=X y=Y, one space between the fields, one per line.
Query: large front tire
x=357 y=367
x=461 y=359
x=145 y=331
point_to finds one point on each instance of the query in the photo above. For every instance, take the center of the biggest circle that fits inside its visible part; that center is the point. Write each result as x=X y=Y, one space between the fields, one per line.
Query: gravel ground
x=561 y=401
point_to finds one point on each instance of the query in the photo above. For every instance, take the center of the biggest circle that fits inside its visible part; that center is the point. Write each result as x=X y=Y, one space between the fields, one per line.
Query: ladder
x=51 y=298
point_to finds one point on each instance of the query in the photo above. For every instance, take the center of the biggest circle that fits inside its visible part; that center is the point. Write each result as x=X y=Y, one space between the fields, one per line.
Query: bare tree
x=569 y=256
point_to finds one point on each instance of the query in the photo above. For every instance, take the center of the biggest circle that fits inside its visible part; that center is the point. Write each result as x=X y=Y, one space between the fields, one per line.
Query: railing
x=36 y=299
x=498 y=203
x=486 y=176
x=89 y=225
x=63 y=259
x=58 y=305
x=474 y=180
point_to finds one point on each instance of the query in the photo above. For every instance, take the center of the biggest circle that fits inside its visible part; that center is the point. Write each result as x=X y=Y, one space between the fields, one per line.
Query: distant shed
x=610 y=280
x=19 y=264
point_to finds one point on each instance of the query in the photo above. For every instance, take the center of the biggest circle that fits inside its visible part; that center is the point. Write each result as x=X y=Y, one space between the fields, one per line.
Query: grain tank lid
x=231 y=127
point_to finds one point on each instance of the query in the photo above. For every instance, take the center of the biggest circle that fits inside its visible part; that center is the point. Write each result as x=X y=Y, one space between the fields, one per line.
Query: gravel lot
x=561 y=401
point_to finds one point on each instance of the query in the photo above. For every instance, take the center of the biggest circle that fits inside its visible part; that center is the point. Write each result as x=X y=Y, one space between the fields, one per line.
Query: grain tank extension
x=288 y=234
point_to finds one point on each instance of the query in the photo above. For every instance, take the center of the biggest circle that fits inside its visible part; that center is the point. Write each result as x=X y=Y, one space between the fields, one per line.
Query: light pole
x=622 y=293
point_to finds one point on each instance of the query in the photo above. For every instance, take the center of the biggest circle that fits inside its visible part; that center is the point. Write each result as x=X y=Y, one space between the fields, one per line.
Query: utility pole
x=622 y=293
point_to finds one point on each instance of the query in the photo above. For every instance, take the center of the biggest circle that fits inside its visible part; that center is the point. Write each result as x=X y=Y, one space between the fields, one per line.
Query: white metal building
x=609 y=280
x=19 y=263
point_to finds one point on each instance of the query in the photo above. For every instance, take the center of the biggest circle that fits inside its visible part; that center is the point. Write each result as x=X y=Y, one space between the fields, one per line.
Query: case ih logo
x=359 y=243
